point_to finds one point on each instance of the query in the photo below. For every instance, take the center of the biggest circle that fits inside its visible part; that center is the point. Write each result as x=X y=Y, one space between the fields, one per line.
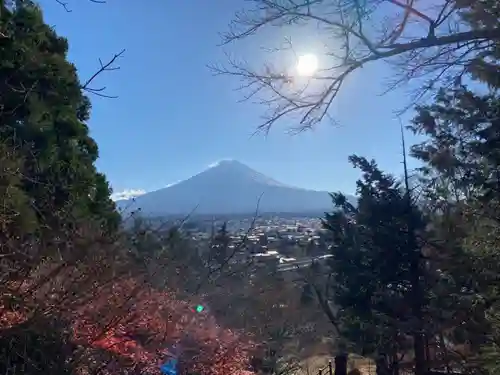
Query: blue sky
x=173 y=118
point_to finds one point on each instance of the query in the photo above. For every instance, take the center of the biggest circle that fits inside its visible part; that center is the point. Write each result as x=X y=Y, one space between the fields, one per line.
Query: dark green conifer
x=43 y=121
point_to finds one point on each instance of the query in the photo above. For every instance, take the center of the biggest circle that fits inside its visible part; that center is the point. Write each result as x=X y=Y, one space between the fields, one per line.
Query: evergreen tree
x=43 y=117
x=376 y=267
x=461 y=179
x=483 y=15
x=460 y=152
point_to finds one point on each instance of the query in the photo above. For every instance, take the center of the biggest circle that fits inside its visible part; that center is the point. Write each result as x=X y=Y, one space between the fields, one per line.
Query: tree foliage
x=126 y=326
x=143 y=325
x=373 y=261
x=455 y=227
x=460 y=177
x=44 y=115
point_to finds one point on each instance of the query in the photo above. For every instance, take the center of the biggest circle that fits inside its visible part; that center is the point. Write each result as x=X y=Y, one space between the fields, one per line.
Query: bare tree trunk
x=415 y=275
x=394 y=370
x=428 y=356
x=381 y=367
x=446 y=355
x=341 y=364
x=419 y=351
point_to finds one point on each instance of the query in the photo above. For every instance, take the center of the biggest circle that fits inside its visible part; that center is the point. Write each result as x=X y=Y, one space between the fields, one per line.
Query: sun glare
x=307 y=65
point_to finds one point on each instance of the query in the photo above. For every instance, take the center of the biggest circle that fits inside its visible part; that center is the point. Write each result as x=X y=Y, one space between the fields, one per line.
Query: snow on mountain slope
x=230 y=187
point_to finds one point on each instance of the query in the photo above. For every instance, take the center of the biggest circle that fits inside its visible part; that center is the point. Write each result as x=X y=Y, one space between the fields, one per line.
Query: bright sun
x=307 y=65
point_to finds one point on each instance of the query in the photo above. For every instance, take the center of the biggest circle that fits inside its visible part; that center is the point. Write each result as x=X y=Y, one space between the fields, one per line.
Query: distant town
x=287 y=241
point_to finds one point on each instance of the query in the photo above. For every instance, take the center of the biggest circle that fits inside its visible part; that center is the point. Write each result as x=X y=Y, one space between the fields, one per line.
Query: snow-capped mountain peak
x=231 y=187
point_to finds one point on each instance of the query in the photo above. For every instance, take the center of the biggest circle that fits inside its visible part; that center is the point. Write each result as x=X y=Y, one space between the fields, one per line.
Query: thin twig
x=103 y=68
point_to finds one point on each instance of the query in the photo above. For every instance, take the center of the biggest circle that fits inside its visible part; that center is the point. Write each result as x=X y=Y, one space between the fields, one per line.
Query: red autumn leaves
x=132 y=326
x=140 y=324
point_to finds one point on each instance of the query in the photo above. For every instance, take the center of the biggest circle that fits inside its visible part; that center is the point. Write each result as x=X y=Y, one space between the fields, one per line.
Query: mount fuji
x=229 y=187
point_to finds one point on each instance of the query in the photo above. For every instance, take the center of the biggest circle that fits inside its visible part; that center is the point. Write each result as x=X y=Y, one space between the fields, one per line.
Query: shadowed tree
x=376 y=268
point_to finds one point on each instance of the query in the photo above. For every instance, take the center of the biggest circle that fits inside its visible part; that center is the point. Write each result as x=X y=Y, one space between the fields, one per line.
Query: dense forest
x=412 y=284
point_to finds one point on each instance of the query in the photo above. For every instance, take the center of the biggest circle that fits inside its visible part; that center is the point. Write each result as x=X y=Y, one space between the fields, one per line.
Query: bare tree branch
x=66 y=7
x=103 y=68
x=235 y=250
x=445 y=48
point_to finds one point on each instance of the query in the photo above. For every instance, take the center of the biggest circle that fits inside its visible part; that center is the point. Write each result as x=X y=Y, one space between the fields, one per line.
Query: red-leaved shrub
x=136 y=323
x=126 y=327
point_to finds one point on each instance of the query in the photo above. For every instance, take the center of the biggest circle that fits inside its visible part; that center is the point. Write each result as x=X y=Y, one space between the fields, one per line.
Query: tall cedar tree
x=373 y=279
x=43 y=124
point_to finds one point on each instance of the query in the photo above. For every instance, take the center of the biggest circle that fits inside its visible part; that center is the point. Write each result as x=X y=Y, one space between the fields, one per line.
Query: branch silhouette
x=104 y=67
x=66 y=7
x=443 y=52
